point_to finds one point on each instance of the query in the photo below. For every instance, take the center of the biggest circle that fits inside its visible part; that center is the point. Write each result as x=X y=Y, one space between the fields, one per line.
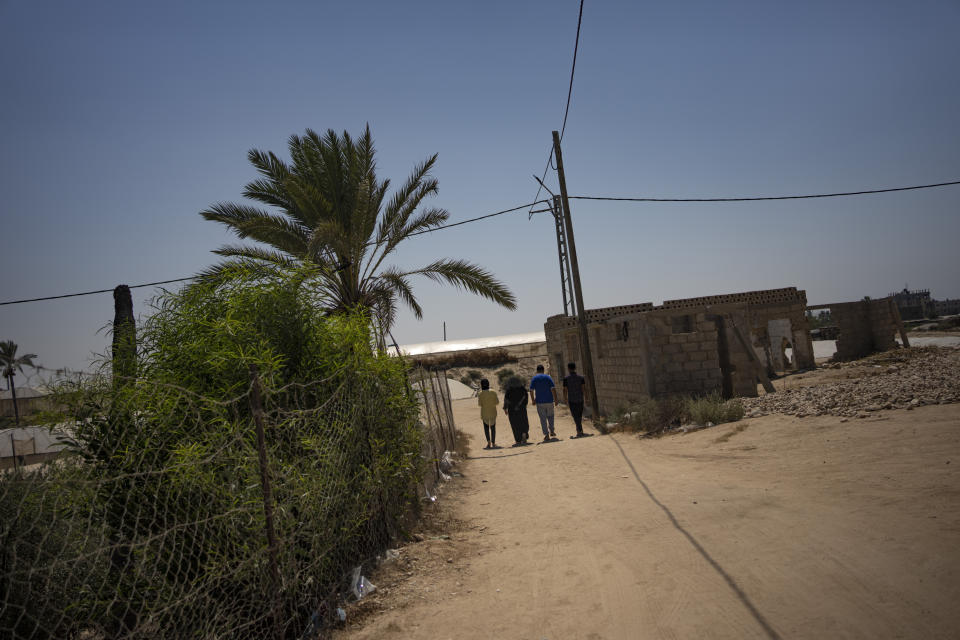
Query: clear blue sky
x=120 y=121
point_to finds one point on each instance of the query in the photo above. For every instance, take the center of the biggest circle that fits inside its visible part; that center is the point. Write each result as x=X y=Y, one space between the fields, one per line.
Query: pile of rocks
x=902 y=379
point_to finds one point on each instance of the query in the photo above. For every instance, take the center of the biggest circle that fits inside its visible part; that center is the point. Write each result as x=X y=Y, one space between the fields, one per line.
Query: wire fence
x=440 y=435
x=174 y=515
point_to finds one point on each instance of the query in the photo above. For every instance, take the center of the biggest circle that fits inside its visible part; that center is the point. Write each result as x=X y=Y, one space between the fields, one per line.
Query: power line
x=536 y=202
x=576 y=45
x=755 y=198
x=566 y=110
x=154 y=284
x=90 y=293
x=484 y=217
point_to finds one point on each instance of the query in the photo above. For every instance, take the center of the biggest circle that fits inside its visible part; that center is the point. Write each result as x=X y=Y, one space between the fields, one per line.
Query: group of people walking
x=543 y=393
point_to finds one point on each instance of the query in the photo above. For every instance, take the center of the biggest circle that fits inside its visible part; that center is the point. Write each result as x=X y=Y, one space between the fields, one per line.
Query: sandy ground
x=774 y=527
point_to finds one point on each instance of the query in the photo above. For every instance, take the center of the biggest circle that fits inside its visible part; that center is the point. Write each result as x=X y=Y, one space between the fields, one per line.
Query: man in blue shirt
x=544 y=394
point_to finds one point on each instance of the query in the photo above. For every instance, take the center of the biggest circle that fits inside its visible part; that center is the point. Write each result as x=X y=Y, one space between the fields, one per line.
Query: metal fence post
x=447 y=406
x=256 y=405
x=434 y=391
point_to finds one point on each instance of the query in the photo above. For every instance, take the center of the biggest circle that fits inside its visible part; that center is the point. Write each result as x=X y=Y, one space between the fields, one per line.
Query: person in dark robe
x=515 y=406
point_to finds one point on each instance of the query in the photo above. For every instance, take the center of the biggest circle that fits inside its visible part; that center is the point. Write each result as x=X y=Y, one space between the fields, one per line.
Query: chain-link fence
x=174 y=515
x=436 y=415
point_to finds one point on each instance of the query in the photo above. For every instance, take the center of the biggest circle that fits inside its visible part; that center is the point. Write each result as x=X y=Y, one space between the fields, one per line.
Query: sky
x=120 y=121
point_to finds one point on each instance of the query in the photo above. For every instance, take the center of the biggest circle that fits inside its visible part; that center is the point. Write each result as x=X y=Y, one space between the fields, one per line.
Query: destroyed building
x=726 y=343
x=697 y=345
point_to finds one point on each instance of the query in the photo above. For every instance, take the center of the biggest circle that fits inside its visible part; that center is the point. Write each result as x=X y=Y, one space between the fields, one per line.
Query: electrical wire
x=756 y=198
x=535 y=203
x=478 y=218
x=154 y=284
x=576 y=45
x=90 y=293
x=566 y=110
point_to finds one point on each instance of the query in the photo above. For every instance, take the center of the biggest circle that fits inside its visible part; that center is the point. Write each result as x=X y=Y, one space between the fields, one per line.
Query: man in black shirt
x=573 y=393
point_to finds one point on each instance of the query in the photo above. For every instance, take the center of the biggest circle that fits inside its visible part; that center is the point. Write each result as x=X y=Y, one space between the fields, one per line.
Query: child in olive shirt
x=488 y=402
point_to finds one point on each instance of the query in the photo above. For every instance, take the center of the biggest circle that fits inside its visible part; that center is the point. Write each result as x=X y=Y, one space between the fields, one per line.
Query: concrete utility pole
x=577 y=290
x=566 y=278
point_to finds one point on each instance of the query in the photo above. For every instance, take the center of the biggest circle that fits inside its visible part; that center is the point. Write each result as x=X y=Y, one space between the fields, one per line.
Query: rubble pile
x=901 y=379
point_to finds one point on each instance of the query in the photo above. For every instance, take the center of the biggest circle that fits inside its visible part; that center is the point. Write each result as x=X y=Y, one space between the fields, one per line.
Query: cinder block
x=692 y=365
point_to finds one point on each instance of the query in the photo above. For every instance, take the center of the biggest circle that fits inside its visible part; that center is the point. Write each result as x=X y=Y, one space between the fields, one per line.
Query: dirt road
x=774 y=527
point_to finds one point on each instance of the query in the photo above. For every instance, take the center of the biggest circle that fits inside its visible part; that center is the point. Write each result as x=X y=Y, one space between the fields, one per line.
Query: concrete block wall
x=642 y=355
x=786 y=295
x=619 y=357
x=598 y=315
x=620 y=361
x=762 y=306
x=683 y=362
x=760 y=315
x=743 y=369
x=645 y=350
x=864 y=327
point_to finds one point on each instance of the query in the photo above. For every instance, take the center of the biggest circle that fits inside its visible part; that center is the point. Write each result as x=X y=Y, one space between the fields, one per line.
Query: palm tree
x=332 y=215
x=10 y=364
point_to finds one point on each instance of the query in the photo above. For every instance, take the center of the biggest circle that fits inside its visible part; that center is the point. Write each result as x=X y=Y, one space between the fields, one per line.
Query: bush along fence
x=178 y=515
x=227 y=480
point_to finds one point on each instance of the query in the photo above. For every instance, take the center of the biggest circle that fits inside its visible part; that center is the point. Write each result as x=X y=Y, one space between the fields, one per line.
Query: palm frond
x=269 y=165
x=251 y=222
x=268 y=256
x=400 y=285
x=236 y=268
x=468 y=276
x=425 y=221
x=269 y=193
x=411 y=192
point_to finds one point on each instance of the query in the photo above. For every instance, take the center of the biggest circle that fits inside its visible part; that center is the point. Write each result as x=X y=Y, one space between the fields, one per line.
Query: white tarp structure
x=29 y=441
x=458 y=390
x=472 y=343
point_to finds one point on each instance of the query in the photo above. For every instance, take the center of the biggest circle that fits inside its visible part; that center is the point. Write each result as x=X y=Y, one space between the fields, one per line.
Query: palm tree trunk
x=124 y=336
x=13 y=395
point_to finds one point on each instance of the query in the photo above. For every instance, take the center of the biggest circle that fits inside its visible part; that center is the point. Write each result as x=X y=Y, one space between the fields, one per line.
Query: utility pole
x=444 y=330
x=577 y=290
x=566 y=279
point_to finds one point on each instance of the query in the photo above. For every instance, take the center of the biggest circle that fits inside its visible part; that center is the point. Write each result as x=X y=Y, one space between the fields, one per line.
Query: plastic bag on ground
x=446 y=461
x=359 y=585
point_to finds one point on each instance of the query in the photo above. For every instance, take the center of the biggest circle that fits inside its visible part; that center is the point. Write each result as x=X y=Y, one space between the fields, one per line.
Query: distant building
x=917 y=304
x=947 y=307
x=29 y=400
x=914 y=304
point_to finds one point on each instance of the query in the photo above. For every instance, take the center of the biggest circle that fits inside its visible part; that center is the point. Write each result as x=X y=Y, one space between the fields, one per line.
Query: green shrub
x=467 y=380
x=655 y=415
x=652 y=415
x=642 y=415
x=473 y=374
x=713 y=408
x=466 y=358
x=156 y=523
